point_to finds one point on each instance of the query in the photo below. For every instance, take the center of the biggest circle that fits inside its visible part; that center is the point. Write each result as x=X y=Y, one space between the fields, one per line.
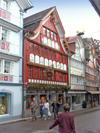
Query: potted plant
x=84 y=104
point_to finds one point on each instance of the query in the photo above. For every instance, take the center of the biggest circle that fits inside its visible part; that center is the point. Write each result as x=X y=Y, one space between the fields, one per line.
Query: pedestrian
x=34 y=106
x=65 y=120
x=46 y=109
x=41 y=107
x=56 y=107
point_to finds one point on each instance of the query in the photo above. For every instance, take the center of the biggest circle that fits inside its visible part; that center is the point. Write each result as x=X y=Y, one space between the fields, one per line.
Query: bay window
x=48 y=33
x=41 y=50
x=44 y=31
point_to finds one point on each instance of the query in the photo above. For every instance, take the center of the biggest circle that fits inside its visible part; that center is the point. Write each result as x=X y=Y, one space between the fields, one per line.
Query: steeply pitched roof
x=96 y=5
x=71 y=39
x=32 y=22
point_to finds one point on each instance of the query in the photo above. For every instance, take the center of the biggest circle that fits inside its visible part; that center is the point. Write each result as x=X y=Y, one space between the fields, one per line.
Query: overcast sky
x=74 y=14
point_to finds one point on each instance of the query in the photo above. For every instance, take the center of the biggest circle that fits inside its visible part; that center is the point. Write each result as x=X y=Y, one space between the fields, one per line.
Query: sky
x=74 y=14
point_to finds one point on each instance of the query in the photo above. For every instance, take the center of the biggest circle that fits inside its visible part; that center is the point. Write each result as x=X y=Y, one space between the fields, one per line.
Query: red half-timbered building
x=45 y=53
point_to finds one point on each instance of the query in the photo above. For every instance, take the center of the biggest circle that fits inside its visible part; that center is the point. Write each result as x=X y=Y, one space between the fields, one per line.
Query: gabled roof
x=34 y=23
x=71 y=42
x=96 y=5
x=24 y=4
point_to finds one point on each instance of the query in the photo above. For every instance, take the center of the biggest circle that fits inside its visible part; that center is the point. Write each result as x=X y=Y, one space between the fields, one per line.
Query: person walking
x=65 y=120
x=46 y=109
x=56 y=107
x=34 y=106
x=41 y=107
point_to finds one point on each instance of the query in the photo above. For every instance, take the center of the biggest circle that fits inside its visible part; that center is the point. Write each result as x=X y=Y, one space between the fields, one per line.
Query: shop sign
x=49 y=72
x=31 y=57
x=2 y=95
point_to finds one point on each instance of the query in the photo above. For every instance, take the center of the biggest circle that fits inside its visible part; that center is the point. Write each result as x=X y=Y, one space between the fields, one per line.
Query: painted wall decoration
x=45 y=40
x=6 y=78
x=56 y=45
x=50 y=63
x=76 y=71
x=58 y=65
x=49 y=42
x=41 y=60
x=4 y=46
x=62 y=66
x=65 y=68
x=54 y=64
x=37 y=59
x=5 y=15
x=53 y=44
x=31 y=57
x=46 y=61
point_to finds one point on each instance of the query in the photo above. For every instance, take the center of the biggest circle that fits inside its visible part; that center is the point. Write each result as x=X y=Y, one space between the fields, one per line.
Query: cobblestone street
x=84 y=123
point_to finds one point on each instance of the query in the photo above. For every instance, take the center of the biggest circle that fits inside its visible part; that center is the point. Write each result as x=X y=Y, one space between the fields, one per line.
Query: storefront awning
x=94 y=92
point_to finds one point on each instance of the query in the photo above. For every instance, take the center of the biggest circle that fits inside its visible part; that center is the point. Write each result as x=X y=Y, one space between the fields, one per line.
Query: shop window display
x=76 y=99
x=4 y=103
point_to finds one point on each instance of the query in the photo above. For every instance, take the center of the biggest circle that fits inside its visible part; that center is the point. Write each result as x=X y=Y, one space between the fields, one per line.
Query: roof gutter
x=28 y=8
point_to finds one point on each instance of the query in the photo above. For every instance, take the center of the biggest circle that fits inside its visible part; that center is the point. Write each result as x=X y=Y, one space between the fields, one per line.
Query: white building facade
x=11 y=36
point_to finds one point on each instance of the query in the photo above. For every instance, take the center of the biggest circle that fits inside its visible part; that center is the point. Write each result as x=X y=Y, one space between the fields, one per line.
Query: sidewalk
x=74 y=112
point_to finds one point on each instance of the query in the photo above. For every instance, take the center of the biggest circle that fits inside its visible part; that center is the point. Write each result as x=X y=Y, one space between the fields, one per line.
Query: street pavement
x=84 y=123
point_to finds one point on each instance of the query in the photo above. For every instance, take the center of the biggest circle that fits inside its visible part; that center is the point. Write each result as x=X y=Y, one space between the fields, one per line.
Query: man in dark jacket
x=56 y=107
x=65 y=120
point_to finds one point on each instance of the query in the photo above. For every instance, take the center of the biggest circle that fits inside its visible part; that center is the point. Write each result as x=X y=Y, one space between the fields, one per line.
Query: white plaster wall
x=15 y=13
x=16 y=106
x=16 y=72
x=14 y=39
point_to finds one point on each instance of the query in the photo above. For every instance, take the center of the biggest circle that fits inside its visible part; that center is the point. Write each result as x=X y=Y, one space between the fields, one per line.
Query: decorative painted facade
x=76 y=94
x=11 y=24
x=92 y=73
x=45 y=48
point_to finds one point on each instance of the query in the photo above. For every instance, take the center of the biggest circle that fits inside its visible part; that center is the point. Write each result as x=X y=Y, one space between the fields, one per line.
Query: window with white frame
x=48 y=33
x=4 y=34
x=5 y=5
x=51 y=35
x=44 y=31
x=6 y=67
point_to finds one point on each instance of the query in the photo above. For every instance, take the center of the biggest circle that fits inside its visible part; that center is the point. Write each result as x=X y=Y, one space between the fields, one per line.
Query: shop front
x=92 y=98
x=4 y=103
x=49 y=94
x=75 y=99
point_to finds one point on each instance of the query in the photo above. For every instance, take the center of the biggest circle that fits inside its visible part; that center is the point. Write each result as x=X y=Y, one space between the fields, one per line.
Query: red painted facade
x=37 y=72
